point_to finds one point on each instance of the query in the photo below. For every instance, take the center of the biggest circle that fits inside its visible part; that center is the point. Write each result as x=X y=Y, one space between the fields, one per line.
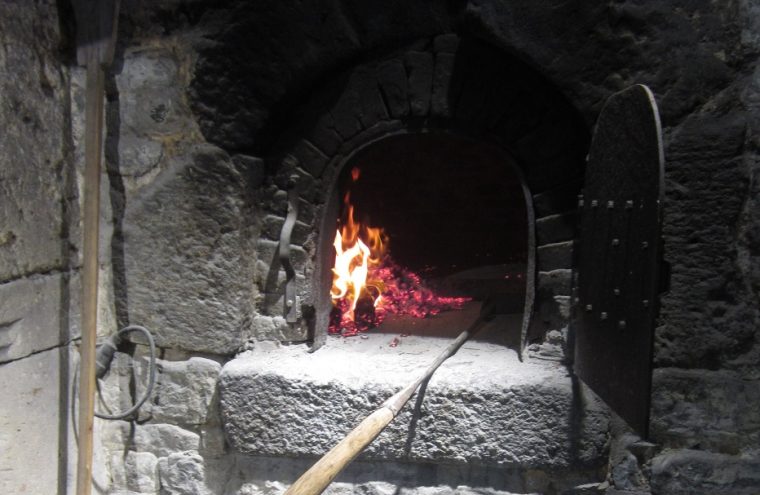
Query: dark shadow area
x=416 y=413
x=448 y=205
x=576 y=416
x=261 y=60
x=69 y=215
x=117 y=193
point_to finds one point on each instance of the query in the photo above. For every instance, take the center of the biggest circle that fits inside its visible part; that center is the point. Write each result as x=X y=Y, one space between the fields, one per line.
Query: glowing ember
x=368 y=285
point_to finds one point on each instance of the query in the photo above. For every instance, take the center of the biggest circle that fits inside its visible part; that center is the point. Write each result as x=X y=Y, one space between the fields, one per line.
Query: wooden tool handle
x=316 y=479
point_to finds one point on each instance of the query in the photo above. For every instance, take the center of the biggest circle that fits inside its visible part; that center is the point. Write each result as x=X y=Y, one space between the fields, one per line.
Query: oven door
x=618 y=260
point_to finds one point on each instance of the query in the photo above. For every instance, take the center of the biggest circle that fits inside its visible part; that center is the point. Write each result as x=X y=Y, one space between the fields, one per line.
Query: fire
x=367 y=284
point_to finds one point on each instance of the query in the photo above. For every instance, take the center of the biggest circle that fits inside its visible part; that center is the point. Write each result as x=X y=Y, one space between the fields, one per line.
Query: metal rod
x=93 y=149
x=320 y=475
x=287 y=230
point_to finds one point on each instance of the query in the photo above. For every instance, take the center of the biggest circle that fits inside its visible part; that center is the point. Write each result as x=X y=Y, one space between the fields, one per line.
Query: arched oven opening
x=449 y=217
x=456 y=100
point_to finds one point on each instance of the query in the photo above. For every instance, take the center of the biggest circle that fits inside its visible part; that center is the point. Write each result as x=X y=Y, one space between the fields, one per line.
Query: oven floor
x=402 y=347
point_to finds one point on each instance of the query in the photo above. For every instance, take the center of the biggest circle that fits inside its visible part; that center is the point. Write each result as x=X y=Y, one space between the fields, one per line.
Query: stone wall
x=199 y=142
x=227 y=234
x=38 y=255
x=176 y=438
x=698 y=57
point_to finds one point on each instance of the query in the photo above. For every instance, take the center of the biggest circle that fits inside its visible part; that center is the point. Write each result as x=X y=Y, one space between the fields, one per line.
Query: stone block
x=360 y=105
x=152 y=109
x=440 y=100
x=30 y=423
x=482 y=407
x=188 y=278
x=553 y=305
x=137 y=472
x=310 y=157
x=687 y=472
x=391 y=76
x=555 y=282
x=371 y=106
x=151 y=96
x=626 y=474
x=213 y=444
x=324 y=135
x=113 y=389
x=346 y=113
x=446 y=43
x=555 y=256
x=252 y=167
x=556 y=228
x=553 y=348
x=308 y=212
x=161 y=439
x=708 y=304
x=289 y=168
x=271 y=328
x=36 y=314
x=184 y=392
x=713 y=410
x=34 y=167
x=275 y=200
x=419 y=69
x=115 y=434
x=138 y=155
x=183 y=473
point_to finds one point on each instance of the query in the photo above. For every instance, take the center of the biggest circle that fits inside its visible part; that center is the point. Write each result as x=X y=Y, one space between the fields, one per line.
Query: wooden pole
x=93 y=153
x=96 y=22
x=320 y=475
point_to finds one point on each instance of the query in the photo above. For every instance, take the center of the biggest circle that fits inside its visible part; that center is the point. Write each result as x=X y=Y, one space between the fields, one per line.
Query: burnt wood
x=619 y=255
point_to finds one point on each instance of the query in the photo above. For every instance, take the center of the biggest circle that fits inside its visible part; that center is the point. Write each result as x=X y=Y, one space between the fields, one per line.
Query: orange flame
x=363 y=272
x=357 y=248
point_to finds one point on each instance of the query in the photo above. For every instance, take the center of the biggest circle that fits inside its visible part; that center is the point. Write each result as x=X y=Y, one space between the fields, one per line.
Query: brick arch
x=457 y=85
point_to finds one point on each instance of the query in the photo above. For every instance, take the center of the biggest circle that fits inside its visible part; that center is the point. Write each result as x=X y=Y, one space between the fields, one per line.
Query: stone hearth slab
x=481 y=407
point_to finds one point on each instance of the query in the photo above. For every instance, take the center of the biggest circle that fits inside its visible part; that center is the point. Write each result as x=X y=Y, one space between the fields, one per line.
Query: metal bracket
x=285 y=234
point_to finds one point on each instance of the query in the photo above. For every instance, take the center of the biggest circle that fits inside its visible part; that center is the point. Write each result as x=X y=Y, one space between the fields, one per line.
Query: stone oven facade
x=221 y=117
x=439 y=84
